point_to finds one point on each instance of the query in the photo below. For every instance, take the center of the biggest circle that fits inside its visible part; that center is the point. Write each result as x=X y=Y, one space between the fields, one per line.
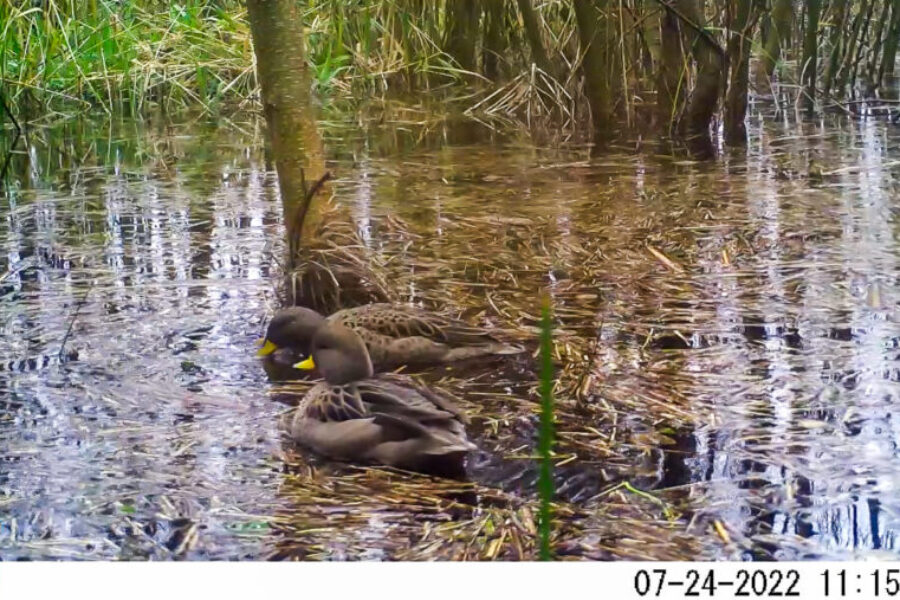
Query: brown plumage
x=385 y=419
x=394 y=335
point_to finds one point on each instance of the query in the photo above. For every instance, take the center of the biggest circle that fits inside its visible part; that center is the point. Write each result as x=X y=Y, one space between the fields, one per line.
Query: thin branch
x=706 y=35
x=8 y=158
x=295 y=225
x=303 y=209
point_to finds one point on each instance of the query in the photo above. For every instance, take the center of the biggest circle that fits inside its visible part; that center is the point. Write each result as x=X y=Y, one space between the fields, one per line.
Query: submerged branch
x=78 y=307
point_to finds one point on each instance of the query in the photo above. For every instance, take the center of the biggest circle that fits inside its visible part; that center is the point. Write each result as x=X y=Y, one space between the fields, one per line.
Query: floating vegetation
x=724 y=349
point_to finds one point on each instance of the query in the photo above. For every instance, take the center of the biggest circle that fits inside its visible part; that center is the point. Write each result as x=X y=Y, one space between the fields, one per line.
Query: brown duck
x=385 y=419
x=394 y=335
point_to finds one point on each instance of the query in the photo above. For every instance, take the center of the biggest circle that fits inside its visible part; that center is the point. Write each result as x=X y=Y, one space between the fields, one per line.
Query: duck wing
x=402 y=321
x=403 y=397
x=389 y=422
x=396 y=395
x=436 y=396
x=333 y=403
x=415 y=424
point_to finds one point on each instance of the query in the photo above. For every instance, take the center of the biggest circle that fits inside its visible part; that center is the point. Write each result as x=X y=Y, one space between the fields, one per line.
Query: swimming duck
x=385 y=419
x=394 y=335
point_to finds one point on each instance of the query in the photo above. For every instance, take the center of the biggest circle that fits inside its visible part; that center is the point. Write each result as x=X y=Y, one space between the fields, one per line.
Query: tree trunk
x=650 y=22
x=810 y=53
x=839 y=17
x=494 y=43
x=533 y=33
x=745 y=17
x=890 y=45
x=462 y=32
x=781 y=16
x=325 y=271
x=670 y=72
x=710 y=72
x=591 y=34
x=277 y=30
x=882 y=22
x=850 y=52
x=863 y=44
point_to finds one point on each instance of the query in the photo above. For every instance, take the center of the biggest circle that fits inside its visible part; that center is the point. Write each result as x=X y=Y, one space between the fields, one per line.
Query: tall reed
x=546 y=433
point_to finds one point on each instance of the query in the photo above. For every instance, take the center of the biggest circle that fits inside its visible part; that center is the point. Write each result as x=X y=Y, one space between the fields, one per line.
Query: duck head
x=292 y=328
x=339 y=354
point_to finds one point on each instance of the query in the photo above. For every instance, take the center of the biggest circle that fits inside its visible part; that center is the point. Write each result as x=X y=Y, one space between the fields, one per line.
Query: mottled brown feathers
x=385 y=419
x=394 y=335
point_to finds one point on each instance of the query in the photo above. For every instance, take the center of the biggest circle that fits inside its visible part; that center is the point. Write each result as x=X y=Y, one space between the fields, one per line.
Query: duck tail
x=501 y=348
x=425 y=449
x=437 y=441
x=461 y=446
x=451 y=465
x=492 y=348
x=448 y=442
x=447 y=458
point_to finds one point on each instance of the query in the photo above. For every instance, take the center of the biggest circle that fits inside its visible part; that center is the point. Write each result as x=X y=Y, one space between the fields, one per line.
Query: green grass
x=546 y=434
x=377 y=46
x=73 y=54
x=64 y=53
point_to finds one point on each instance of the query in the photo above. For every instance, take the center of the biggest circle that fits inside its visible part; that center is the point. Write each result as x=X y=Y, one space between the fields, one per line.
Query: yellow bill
x=305 y=365
x=267 y=347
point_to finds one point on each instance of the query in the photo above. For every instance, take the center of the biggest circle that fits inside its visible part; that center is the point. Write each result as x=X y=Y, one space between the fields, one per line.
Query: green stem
x=545 y=440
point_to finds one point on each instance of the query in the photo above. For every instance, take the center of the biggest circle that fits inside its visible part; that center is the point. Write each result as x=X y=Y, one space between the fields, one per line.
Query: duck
x=387 y=419
x=395 y=335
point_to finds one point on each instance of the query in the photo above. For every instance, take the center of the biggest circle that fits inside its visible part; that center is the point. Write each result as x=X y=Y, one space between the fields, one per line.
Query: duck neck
x=348 y=375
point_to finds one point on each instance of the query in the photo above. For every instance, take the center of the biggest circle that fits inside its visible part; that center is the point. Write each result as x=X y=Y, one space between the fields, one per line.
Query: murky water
x=727 y=340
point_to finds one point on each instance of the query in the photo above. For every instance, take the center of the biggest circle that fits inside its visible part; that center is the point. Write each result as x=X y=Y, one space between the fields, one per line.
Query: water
x=727 y=339
x=143 y=248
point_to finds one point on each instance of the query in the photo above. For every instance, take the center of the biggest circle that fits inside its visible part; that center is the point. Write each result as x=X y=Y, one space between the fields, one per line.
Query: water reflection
x=727 y=336
x=142 y=260
x=781 y=288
